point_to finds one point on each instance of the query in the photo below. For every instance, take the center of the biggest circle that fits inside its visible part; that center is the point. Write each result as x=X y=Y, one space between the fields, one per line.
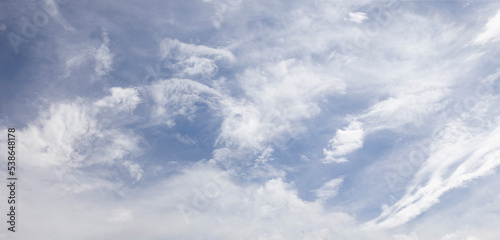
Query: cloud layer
x=259 y=120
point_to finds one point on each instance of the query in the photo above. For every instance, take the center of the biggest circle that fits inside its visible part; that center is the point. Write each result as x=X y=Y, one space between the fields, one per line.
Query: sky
x=252 y=119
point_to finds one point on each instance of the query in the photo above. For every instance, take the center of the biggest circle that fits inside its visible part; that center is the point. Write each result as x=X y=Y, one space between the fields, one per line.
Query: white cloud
x=175 y=49
x=134 y=170
x=195 y=65
x=394 y=112
x=268 y=211
x=222 y=9
x=304 y=158
x=345 y=141
x=329 y=190
x=291 y=68
x=50 y=140
x=178 y=97
x=201 y=197
x=78 y=134
x=75 y=61
x=103 y=57
x=121 y=99
x=357 y=17
x=185 y=139
x=99 y=56
x=458 y=235
x=413 y=236
x=52 y=8
x=277 y=98
x=190 y=59
x=121 y=216
x=462 y=154
x=491 y=31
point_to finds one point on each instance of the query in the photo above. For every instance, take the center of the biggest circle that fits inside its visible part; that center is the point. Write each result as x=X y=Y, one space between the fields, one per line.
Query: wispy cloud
x=329 y=190
x=357 y=17
x=189 y=59
x=103 y=57
x=345 y=141
x=463 y=153
x=491 y=32
x=234 y=138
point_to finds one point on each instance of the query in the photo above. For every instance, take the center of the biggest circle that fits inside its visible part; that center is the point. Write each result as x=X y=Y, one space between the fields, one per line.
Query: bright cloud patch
x=357 y=17
x=345 y=141
x=190 y=60
x=329 y=190
x=103 y=57
x=491 y=32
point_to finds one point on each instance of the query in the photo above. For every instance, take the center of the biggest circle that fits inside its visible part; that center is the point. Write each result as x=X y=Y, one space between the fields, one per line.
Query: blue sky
x=236 y=119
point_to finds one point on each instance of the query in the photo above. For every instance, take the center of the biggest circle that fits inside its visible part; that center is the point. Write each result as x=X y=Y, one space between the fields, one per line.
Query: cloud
x=185 y=139
x=223 y=8
x=395 y=112
x=276 y=99
x=463 y=153
x=273 y=88
x=121 y=99
x=103 y=57
x=458 y=235
x=179 y=97
x=357 y=17
x=345 y=141
x=97 y=55
x=121 y=216
x=491 y=31
x=268 y=211
x=190 y=60
x=52 y=8
x=79 y=134
x=200 y=197
x=61 y=125
x=134 y=169
x=329 y=189
x=175 y=49
x=413 y=236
